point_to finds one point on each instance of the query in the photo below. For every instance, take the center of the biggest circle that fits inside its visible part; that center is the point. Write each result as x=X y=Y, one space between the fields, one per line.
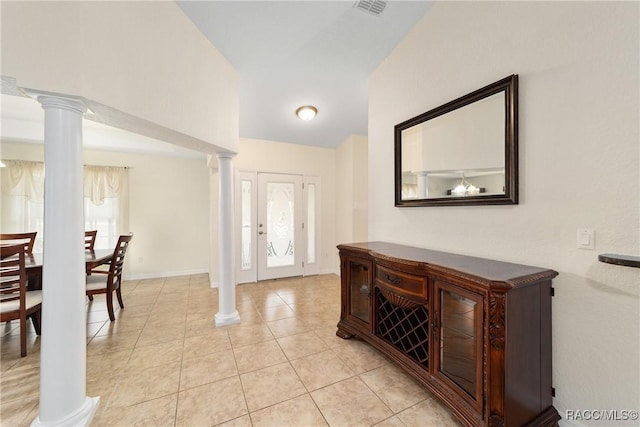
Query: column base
x=227 y=319
x=81 y=417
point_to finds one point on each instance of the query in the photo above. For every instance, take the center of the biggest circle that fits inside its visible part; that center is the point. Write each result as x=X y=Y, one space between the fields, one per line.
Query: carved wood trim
x=399 y=301
x=533 y=278
x=496 y=321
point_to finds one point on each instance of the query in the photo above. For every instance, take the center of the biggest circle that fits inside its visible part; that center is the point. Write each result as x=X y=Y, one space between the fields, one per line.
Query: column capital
x=55 y=100
x=73 y=105
x=225 y=155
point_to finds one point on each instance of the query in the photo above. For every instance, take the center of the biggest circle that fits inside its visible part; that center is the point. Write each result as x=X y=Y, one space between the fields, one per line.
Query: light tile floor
x=164 y=363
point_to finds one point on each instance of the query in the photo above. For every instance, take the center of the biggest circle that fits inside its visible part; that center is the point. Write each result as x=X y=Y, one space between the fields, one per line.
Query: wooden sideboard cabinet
x=475 y=332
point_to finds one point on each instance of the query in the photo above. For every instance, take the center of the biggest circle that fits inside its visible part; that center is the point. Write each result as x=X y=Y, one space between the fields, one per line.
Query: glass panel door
x=277 y=225
x=279 y=228
x=360 y=293
x=246 y=237
x=311 y=223
x=311 y=194
x=280 y=224
x=246 y=259
x=459 y=349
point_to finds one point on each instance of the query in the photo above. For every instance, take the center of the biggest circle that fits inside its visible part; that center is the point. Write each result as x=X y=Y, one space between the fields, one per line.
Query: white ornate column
x=423 y=190
x=227 y=312
x=214 y=199
x=63 y=361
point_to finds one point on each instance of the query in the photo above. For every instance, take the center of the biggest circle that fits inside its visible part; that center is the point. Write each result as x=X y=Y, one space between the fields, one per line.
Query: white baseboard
x=192 y=272
x=165 y=274
x=330 y=271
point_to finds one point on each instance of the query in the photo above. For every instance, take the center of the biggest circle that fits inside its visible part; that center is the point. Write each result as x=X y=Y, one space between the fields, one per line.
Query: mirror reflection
x=470 y=163
x=463 y=152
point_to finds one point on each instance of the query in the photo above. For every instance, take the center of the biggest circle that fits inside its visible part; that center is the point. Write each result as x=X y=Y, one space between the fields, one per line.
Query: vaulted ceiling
x=288 y=54
x=293 y=53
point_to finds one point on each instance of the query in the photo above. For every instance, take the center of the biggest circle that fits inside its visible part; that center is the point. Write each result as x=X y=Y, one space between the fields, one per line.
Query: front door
x=277 y=225
x=280 y=243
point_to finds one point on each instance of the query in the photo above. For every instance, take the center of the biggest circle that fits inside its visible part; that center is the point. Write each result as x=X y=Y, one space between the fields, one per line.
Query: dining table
x=33 y=264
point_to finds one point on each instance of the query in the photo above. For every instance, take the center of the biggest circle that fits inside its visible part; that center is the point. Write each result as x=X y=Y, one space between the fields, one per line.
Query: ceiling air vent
x=374 y=7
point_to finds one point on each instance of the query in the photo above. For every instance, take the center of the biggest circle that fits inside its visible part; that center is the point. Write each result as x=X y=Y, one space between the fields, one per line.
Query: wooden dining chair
x=90 y=239
x=107 y=281
x=25 y=239
x=89 y=243
x=15 y=301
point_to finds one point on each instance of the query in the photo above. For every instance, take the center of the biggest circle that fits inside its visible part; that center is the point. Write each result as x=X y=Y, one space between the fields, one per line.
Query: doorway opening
x=277 y=225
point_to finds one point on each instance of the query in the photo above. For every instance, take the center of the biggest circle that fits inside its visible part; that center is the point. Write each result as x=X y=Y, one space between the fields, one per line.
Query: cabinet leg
x=342 y=334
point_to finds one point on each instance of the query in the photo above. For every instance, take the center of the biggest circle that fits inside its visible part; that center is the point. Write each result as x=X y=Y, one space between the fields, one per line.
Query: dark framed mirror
x=464 y=152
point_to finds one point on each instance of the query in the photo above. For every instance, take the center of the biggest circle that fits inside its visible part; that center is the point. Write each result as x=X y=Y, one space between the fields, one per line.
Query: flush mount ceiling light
x=307 y=112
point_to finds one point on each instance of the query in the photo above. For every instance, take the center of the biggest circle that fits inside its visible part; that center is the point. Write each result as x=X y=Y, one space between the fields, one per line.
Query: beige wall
x=146 y=59
x=351 y=190
x=579 y=168
x=171 y=208
x=168 y=208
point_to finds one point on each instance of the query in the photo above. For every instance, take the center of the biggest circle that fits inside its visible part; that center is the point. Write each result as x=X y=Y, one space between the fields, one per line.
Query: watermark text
x=601 y=414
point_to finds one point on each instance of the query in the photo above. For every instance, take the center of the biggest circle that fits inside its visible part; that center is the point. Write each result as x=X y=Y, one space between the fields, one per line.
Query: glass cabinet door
x=459 y=339
x=359 y=288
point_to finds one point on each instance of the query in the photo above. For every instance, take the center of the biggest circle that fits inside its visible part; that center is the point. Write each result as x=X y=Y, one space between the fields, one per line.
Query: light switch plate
x=586 y=238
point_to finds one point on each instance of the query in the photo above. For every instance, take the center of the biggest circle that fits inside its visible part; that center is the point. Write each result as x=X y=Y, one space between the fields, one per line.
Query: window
x=246 y=247
x=105 y=201
x=311 y=223
x=105 y=219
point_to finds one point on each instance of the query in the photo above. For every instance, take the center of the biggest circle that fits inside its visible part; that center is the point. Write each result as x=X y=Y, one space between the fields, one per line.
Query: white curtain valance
x=26 y=179
x=103 y=182
x=23 y=179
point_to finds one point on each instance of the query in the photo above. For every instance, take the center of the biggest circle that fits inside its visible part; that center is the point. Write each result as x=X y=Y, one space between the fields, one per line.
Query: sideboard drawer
x=402 y=282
